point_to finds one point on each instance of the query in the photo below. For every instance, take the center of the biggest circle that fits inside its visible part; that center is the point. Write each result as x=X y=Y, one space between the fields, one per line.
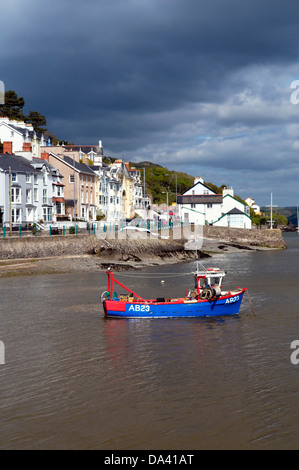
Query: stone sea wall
x=255 y=237
x=110 y=250
x=131 y=249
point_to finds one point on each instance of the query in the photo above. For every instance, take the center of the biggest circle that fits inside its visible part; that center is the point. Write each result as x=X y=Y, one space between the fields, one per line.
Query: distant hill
x=289 y=212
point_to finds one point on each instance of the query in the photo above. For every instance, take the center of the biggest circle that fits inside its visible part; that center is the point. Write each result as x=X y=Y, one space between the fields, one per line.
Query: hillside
x=159 y=180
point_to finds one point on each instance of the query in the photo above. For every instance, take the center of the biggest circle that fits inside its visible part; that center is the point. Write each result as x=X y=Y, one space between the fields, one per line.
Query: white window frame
x=16 y=195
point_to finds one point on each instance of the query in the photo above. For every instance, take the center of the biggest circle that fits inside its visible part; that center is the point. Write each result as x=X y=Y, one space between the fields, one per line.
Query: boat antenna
x=197 y=257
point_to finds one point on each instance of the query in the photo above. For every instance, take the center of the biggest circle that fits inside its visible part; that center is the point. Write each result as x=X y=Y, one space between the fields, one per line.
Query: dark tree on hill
x=13 y=106
x=38 y=121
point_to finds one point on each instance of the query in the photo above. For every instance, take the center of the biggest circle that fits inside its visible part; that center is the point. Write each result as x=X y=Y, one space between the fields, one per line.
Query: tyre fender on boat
x=205 y=294
x=210 y=292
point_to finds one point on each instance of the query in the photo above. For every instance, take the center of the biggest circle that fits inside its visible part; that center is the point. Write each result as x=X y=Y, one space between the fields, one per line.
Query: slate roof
x=24 y=131
x=38 y=162
x=79 y=166
x=16 y=163
x=235 y=210
x=84 y=148
x=200 y=199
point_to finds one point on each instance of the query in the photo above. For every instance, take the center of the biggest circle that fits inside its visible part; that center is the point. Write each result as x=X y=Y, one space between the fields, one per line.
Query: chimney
x=27 y=147
x=7 y=147
x=198 y=180
x=44 y=156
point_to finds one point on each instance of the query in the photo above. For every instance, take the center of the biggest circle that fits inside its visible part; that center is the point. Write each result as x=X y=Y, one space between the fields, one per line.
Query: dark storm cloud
x=204 y=84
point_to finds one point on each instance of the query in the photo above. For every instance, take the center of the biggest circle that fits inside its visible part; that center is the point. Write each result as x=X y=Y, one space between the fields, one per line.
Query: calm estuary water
x=73 y=380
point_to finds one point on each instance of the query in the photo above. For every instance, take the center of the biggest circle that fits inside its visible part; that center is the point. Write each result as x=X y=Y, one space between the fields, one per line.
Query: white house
x=202 y=206
x=50 y=196
x=33 y=184
x=21 y=135
x=108 y=191
x=251 y=203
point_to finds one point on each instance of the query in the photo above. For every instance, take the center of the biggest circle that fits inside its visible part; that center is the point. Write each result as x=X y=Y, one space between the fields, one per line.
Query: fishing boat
x=205 y=299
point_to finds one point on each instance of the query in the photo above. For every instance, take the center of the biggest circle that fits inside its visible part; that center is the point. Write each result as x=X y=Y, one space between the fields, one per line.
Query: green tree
x=38 y=121
x=13 y=106
x=280 y=219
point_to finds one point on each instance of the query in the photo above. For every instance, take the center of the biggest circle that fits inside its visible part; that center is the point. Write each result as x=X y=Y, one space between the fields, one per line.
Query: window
x=35 y=194
x=28 y=178
x=16 y=216
x=47 y=213
x=28 y=196
x=59 y=208
x=82 y=197
x=14 y=178
x=45 y=196
x=16 y=195
x=60 y=192
x=45 y=179
x=209 y=205
x=192 y=206
x=29 y=215
x=72 y=179
x=235 y=220
x=35 y=179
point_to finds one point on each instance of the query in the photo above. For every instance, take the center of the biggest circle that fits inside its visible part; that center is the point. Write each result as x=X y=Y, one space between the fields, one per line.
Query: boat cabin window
x=216 y=281
x=202 y=282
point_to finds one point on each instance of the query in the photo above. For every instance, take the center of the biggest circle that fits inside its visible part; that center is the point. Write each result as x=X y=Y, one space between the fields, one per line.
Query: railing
x=49 y=231
x=107 y=228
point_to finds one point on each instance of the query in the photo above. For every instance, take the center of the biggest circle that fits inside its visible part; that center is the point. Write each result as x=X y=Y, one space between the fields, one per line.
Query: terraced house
x=79 y=184
x=27 y=191
x=21 y=136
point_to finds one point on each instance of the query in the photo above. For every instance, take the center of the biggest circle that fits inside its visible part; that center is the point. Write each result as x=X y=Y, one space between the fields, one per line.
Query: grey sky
x=197 y=86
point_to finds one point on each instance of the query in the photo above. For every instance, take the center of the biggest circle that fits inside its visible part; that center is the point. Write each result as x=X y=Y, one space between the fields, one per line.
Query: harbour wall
x=247 y=237
x=107 y=249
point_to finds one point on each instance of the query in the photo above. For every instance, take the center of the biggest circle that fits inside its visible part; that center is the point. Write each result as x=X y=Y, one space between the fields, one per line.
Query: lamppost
x=144 y=193
x=166 y=192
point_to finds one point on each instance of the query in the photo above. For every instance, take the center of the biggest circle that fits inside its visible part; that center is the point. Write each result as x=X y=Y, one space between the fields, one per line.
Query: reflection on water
x=74 y=380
